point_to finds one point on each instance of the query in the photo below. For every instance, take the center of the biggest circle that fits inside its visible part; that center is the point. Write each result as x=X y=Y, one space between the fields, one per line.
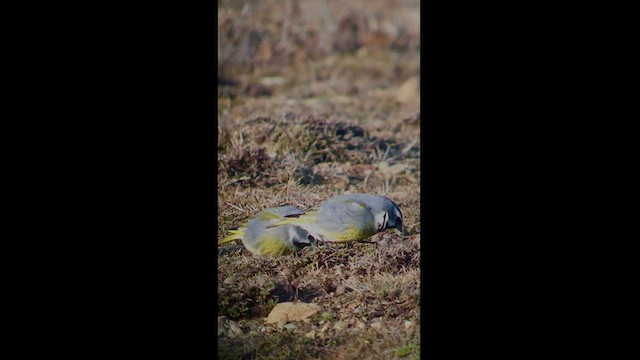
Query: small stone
x=229 y=280
x=325 y=327
x=376 y=325
x=340 y=325
x=361 y=325
x=290 y=326
x=311 y=334
x=227 y=327
x=234 y=329
x=272 y=81
x=341 y=289
x=408 y=324
x=409 y=92
x=286 y=312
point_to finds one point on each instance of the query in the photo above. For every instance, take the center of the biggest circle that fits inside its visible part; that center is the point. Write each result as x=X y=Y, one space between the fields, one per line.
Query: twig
x=231 y=182
x=386 y=152
x=235 y=207
x=404 y=151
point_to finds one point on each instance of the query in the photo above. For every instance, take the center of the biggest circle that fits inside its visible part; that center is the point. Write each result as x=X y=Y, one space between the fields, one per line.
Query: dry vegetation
x=316 y=99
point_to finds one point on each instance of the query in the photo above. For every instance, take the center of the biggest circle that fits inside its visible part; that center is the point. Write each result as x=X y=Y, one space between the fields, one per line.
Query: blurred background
x=357 y=61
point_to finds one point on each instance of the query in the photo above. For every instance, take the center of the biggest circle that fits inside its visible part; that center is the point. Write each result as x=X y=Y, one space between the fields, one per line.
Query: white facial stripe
x=381 y=220
x=291 y=233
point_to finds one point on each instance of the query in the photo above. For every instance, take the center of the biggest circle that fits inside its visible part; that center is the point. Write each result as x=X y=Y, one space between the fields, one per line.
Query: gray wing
x=286 y=211
x=372 y=201
x=269 y=216
x=343 y=212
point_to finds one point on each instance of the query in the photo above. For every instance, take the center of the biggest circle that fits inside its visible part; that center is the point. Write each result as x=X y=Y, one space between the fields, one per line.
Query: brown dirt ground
x=316 y=99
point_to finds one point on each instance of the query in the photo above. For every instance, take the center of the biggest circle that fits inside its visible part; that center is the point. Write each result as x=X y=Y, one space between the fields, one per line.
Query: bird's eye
x=311 y=238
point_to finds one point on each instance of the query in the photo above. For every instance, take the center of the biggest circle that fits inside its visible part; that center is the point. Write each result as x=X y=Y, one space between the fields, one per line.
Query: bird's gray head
x=298 y=236
x=393 y=216
x=387 y=214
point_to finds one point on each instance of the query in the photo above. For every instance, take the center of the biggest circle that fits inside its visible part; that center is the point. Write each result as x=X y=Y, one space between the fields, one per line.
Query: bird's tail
x=309 y=217
x=235 y=235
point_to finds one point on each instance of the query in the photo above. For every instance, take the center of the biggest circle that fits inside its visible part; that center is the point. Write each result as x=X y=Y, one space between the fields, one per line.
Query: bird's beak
x=402 y=230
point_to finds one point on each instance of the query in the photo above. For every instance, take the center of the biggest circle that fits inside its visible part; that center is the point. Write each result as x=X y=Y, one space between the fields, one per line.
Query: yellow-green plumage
x=235 y=235
x=351 y=217
x=260 y=239
x=266 y=216
x=351 y=233
x=273 y=246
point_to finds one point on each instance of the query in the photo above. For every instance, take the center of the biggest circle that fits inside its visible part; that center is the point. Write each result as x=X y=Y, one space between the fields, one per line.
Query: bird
x=262 y=240
x=349 y=217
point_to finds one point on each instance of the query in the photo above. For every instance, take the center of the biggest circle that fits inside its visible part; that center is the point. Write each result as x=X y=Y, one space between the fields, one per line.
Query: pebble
x=325 y=327
x=340 y=325
x=408 y=324
x=290 y=326
x=228 y=327
x=234 y=329
x=283 y=313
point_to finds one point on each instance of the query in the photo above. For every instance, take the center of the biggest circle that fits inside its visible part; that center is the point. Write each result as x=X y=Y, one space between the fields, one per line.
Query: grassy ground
x=317 y=99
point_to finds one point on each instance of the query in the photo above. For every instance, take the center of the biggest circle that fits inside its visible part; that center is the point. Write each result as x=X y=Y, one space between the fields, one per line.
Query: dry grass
x=370 y=289
x=307 y=112
x=265 y=162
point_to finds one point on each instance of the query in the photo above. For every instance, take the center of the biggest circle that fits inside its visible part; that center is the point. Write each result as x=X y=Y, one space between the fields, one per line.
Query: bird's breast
x=273 y=246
